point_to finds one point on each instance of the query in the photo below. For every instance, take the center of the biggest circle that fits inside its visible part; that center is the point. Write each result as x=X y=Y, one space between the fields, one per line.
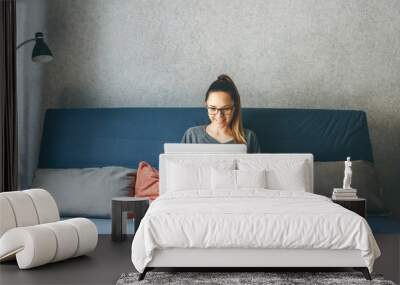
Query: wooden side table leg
x=116 y=220
x=124 y=224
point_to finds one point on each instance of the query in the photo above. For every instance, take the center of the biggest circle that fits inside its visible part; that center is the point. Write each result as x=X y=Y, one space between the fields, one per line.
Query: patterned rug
x=270 y=278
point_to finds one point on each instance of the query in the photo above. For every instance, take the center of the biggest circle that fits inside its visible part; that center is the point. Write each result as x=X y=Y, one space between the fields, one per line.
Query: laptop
x=204 y=148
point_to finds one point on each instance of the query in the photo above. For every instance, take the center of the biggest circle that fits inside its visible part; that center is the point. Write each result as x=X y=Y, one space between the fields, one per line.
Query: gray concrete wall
x=301 y=54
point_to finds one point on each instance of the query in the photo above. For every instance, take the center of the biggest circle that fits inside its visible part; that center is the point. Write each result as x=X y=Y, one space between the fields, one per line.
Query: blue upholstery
x=77 y=138
x=125 y=136
x=384 y=225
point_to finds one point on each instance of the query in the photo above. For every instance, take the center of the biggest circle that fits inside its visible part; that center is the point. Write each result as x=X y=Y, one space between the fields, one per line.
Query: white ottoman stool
x=31 y=232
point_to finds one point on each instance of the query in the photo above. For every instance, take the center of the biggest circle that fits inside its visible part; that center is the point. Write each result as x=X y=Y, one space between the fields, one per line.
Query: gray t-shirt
x=199 y=135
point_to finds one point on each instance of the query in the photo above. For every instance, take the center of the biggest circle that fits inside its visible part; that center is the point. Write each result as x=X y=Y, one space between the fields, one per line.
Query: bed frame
x=245 y=258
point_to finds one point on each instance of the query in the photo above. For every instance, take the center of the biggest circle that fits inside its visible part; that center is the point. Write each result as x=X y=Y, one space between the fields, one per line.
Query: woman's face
x=220 y=108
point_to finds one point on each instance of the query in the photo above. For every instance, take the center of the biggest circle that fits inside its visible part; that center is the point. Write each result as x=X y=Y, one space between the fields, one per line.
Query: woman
x=223 y=105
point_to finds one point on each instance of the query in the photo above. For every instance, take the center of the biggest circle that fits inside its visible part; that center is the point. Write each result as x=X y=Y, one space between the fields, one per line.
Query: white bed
x=201 y=220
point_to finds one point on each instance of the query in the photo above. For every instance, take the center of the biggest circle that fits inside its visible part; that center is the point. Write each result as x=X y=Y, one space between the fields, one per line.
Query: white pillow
x=251 y=178
x=235 y=179
x=281 y=174
x=182 y=177
x=292 y=178
x=188 y=175
x=223 y=179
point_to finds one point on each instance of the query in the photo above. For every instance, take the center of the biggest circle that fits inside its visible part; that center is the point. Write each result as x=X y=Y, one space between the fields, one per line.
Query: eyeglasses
x=224 y=111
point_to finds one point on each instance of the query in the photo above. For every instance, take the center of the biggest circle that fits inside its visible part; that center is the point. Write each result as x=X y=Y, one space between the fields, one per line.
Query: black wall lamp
x=41 y=52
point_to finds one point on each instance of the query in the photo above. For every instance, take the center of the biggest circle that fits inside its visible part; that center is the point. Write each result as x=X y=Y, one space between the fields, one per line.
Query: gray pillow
x=329 y=175
x=85 y=192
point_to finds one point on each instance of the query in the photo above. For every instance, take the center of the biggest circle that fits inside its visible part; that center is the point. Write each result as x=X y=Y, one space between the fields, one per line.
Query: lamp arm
x=24 y=42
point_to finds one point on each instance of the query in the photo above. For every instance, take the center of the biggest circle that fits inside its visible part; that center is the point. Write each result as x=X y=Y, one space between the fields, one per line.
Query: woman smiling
x=224 y=111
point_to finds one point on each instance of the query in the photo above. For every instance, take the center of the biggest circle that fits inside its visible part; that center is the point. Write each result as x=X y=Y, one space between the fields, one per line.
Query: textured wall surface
x=313 y=54
x=31 y=18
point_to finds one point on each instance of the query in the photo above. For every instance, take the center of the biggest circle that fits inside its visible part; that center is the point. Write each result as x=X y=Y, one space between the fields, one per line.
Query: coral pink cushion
x=147 y=181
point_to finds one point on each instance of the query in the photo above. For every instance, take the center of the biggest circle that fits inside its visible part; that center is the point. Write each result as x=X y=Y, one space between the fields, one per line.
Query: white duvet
x=250 y=219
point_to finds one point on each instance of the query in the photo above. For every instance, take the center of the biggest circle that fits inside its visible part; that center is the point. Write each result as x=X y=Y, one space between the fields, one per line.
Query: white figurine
x=347 y=174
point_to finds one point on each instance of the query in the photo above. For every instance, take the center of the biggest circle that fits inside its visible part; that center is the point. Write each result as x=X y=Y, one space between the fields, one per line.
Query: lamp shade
x=41 y=52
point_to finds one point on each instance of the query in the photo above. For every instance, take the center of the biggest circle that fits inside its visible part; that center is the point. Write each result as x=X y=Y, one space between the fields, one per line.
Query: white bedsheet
x=250 y=218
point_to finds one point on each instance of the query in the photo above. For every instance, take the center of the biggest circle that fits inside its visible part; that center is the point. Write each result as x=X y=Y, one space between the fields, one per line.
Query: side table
x=358 y=205
x=120 y=207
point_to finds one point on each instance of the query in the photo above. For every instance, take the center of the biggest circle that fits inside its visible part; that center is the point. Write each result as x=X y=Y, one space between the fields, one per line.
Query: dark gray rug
x=228 y=278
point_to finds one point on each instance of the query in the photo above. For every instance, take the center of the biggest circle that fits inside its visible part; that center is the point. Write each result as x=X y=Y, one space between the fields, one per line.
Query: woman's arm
x=253 y=146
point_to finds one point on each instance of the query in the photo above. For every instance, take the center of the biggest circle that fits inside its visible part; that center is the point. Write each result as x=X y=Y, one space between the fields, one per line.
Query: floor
x=102 y=266
x=111 y=259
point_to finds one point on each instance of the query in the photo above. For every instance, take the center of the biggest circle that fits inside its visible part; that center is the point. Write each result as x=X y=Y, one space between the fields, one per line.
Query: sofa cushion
x=85 y=192
x=147 y=181
x=329 y=175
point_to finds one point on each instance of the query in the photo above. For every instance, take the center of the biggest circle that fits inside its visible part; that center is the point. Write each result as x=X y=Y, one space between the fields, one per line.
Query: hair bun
x=225 y=77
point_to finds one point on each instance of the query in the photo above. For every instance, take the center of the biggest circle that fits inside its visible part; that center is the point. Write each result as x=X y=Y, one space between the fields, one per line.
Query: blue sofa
x=79 y=138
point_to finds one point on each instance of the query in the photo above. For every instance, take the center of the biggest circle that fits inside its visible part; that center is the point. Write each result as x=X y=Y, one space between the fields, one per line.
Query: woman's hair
x=225 y=84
